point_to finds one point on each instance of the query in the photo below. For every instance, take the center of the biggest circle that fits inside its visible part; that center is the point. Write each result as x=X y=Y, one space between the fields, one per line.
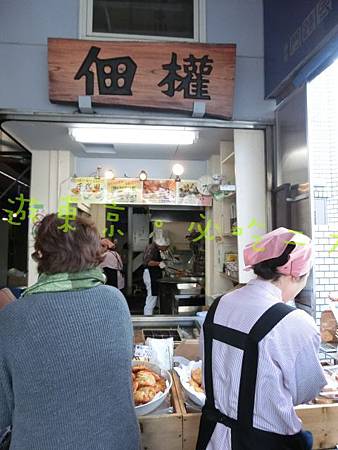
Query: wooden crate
x=190 y=421
x=163 y=431
x=321 y=420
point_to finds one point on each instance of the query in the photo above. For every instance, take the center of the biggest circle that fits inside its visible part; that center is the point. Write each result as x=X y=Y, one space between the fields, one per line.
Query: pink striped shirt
x=289 y=372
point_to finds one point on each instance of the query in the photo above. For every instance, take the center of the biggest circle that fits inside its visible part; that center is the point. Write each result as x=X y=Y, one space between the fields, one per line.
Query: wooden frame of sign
x=166 y=76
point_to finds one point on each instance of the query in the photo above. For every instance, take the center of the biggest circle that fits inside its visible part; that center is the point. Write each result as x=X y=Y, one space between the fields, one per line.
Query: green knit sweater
x=65 y=361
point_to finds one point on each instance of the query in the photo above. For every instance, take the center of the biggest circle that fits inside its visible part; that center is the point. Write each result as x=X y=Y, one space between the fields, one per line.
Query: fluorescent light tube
x=134 y=135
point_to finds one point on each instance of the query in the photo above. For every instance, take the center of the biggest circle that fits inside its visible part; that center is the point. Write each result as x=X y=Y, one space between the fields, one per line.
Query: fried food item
x=156 y=376
x=145 y=378
x=135 y=386
x=138 y=368
x=146 y=384
x=195 y=385
x=323 y=401
x=196 y=380
x=196 y=375
x=160 y=385
x=144 y=395
x=139 y=398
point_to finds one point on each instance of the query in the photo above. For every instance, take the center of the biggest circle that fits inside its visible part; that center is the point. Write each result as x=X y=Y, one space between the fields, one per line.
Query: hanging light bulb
x=98 y=171
x=178 y=170
x=143 y=175
x=109 y=174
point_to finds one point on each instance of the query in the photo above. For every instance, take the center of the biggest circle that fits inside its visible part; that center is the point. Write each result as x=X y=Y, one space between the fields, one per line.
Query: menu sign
x=89 y=189
x=188 y=194
x=124 y=191
x=159 y=192
x=134 y=191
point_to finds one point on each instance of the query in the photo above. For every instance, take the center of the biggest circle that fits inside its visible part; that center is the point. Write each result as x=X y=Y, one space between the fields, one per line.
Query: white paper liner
x=184 y=372
x=331 y=389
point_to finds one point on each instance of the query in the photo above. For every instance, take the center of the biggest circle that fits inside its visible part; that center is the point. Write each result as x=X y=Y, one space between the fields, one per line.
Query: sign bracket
x=85 y=104
x=198 y=109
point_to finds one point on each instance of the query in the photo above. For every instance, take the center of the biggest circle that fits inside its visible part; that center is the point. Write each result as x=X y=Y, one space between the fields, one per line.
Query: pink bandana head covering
x=273 y=245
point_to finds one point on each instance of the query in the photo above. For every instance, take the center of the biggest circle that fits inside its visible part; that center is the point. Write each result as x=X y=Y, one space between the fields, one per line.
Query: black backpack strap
x=247 y=389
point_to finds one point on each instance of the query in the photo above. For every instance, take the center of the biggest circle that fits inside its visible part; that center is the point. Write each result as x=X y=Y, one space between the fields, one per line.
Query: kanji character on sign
x=257 y=238
x=158 y=223
x=255 y=247
x=335 y=245
x=113 y=217
x=204 y=233
x=236 y=231
x=35 y=208
x=67 y=211
x=115 y=75
x=294 y=240
x=194 y=83
x=19 y=215
x=254 y=223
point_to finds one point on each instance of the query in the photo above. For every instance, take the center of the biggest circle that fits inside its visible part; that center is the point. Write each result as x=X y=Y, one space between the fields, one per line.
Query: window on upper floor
x=169 y=20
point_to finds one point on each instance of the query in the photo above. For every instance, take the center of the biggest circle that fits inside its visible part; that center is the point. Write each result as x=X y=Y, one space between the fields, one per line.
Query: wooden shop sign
x=143 y=74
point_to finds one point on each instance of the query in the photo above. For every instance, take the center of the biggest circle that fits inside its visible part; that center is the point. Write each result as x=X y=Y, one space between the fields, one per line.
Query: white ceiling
x=55 y=136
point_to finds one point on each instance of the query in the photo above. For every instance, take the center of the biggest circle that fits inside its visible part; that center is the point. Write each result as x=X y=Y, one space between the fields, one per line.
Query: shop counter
x=163 y=430
x=321 y=420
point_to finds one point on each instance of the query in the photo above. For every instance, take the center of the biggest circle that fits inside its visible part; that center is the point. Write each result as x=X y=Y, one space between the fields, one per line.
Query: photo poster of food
x=188 y=194
x=134 y=191
x=159 y=192
x=89 y=189
x=122 y=190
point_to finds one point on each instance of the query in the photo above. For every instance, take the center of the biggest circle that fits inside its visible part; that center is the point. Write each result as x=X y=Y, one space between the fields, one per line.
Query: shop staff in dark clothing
x=260 y=354
x=153 y=266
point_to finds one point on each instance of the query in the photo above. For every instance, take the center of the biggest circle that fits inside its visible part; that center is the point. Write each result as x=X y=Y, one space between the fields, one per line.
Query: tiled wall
x=326 y=265
x=323 y=143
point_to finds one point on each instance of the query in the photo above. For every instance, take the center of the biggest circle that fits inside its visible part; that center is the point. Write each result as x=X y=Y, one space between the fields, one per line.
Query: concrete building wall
x=25 y=27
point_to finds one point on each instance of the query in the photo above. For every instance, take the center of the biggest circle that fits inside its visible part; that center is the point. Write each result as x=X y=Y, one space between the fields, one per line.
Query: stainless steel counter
x=181 y=294
x=186 y=279
x=179 y=327
x=165 y=321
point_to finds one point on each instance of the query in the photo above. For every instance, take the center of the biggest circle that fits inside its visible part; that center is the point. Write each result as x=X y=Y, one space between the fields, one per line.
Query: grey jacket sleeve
x=6 y=394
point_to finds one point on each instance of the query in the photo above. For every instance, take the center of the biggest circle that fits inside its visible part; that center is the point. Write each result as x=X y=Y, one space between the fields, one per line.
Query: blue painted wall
x=26 y=25
x=293 y=30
